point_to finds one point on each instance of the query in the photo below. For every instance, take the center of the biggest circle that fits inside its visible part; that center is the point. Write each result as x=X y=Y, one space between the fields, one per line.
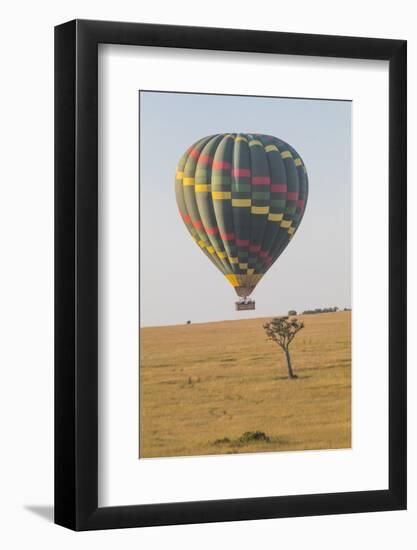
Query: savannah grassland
x=202 y=386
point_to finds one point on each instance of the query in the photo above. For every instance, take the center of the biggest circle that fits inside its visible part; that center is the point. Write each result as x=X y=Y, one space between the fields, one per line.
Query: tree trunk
x=289 y=366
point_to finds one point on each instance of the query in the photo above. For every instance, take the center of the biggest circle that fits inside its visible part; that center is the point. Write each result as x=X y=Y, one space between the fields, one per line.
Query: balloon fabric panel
x=242 y=198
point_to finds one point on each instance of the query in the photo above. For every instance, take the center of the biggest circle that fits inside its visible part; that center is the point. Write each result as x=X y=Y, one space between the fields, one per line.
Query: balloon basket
x=245 y=306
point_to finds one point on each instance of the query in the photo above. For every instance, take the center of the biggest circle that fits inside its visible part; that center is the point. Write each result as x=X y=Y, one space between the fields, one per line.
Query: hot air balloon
x=242 y=198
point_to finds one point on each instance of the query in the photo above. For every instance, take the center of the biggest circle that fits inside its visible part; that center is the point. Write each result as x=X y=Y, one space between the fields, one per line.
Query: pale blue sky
x=177 y=281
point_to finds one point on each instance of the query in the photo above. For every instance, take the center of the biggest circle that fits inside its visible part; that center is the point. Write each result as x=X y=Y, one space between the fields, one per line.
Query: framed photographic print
x=230 y=275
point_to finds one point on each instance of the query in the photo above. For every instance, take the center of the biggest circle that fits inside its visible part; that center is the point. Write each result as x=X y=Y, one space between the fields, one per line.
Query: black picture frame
x=76 y=272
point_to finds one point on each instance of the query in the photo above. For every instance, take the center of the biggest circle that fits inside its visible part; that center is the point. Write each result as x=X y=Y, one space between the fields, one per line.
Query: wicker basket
x=245 y=306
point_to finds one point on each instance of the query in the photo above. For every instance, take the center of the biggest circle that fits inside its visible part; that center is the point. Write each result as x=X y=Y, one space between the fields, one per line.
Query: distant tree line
x=321 y=310
x=333 y=309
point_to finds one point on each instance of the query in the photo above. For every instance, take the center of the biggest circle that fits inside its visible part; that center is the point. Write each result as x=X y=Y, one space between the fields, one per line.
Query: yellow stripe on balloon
x=233 y=260
x=275 y=217
x=188 y=181
x=240 y=138
x=255 y=142
x=202 y=243
x=243 y=266
x=179 y=175
x=297 y=162
x=286 y=223
x=232 y=279
x=203 y=188
x=250 y=279
x=291 y=230
x=270 y=148
x=221 y=255
x=286 y=155
x=260 y=209
x=211 y=250
x=221 y=195
x=240 y=203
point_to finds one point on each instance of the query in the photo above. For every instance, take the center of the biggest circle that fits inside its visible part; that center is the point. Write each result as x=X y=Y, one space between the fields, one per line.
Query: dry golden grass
x=204 y=382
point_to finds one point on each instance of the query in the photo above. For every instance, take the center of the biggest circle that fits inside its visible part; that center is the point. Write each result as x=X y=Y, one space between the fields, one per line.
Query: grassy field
x=202 y=386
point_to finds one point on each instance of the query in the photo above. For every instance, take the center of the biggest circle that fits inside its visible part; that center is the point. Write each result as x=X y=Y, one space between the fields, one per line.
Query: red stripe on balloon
x=301 y=203
x=227 y=236
x=254 y=248
x=261 y=180
x=185 y=217
x=241 y=172
x=221 y=164
x=205 y=159
x=198 y=224
x=212 y=230
x=194 y=153
x=292 y=196
x=279 y=188
x=242 y=243
x=263 y=254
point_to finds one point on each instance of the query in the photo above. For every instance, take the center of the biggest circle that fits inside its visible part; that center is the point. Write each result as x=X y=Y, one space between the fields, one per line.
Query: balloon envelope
x=242 y=198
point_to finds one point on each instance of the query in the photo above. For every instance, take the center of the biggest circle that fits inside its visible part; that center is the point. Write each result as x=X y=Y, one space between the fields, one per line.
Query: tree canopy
x=282 y=330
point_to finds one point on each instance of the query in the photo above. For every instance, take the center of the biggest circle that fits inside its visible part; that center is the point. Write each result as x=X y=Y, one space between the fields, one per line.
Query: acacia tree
x=282 y=331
